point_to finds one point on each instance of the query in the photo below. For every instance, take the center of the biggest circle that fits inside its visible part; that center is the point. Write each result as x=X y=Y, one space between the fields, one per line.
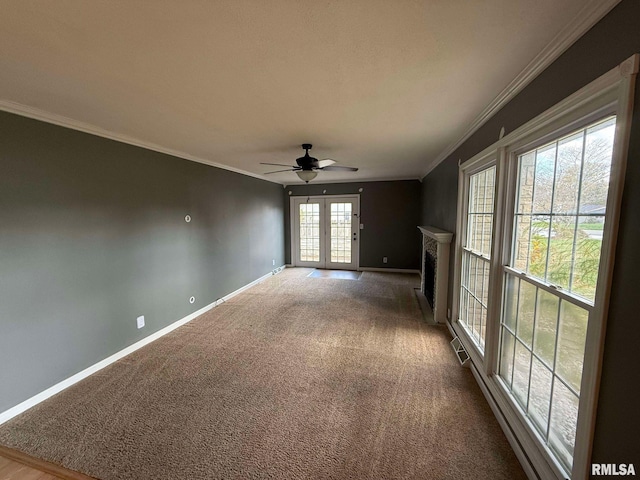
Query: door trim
x=292 y=224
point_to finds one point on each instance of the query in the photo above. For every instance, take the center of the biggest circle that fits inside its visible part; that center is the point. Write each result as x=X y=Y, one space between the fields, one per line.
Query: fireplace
x=435 y=270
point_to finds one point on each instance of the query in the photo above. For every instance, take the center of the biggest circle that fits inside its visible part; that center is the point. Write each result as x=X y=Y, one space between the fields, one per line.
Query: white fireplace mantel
x=442 y=239
x=439 y=235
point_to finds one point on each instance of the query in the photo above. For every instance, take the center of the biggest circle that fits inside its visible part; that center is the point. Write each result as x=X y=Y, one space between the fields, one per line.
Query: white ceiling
x=382 y=85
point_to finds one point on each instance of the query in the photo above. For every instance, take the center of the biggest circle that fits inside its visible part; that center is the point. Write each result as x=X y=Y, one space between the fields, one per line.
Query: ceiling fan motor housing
x=307 y=162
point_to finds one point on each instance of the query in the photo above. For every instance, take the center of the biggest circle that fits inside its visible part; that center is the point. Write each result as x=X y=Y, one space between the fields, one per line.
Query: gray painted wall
x=92 y=234
x=611 y=41
x=389 y=212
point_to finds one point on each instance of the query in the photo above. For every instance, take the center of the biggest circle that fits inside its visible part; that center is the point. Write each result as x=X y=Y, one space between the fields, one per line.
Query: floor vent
x=461 y=352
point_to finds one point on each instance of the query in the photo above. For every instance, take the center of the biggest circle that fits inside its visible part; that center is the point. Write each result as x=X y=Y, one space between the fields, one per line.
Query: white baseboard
x=451 y=330
x=58 y=387
x=511 y=438
x=388 y=270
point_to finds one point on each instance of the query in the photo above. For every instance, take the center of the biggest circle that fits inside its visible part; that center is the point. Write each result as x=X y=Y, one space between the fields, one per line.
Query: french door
x=325 y=231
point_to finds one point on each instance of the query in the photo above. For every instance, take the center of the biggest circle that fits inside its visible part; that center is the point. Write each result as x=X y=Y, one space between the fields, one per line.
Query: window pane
x=526 y=308
x=587 y=256
x=485 y=283
x=340 y=232
x=309 y=248
x=480 y=211
x=571 y=341
x=485 y=238
x=473 y=261
x=561 y=250
x=564 y=418
x=521 y=369
x=473 y=296
x=525 y=183
x=521 y=244
x=597 y=167
x=546 y=324
x=569 y=164
x=511 y=302
x=506 y=356
x=540 y=396
x=543 y=183
x=538 y=246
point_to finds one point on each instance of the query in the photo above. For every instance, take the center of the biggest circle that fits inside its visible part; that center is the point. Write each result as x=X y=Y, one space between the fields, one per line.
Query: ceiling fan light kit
x=306 y=175
x=307 y=167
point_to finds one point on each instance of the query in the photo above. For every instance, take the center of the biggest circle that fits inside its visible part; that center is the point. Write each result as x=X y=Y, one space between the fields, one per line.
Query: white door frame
x=295 y=231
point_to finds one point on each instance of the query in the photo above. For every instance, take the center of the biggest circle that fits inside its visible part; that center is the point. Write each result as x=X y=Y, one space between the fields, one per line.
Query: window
x=537 y=221
x=476 y=255
x=550 y=283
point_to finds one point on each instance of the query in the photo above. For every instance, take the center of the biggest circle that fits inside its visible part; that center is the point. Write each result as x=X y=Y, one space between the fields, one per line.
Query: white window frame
x=469 y=169
x=613 y=92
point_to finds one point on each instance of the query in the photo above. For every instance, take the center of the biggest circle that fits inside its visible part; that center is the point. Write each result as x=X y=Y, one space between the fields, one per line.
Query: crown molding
x=590 y=14
x=62 y=121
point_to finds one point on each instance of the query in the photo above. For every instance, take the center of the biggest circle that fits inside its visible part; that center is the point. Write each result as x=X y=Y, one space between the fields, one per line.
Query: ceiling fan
x=308 y=167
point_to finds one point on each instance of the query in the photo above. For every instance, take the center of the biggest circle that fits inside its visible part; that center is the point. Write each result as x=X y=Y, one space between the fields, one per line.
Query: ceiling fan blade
x=277 y=164
x=326 y=162
x=287 y=170
x=336 y=168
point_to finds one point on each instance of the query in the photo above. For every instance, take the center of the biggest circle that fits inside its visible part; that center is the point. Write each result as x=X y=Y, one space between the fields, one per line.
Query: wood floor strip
x=46 y=467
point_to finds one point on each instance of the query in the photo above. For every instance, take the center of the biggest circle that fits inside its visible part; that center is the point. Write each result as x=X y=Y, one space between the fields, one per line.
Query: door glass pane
x=309 y=247
x=341 y=218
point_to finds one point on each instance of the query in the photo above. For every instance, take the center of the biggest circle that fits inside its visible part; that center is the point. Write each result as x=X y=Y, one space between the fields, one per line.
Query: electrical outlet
x=449 y=313
x=274 y=262
x=384 y=259
x=140 y=321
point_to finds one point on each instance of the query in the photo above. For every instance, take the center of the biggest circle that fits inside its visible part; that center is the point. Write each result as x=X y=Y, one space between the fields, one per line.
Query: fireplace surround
x=435 y=269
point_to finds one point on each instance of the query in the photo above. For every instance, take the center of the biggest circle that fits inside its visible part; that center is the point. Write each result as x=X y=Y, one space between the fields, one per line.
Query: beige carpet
x=298 y=377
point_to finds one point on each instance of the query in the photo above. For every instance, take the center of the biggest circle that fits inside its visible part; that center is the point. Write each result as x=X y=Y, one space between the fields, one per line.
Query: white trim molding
x=591 y=13
x=62 y=121
x=388 y=270
x=58 y=387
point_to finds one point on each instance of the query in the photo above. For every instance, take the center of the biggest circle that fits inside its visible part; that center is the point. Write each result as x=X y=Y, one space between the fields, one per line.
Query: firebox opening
x=430 y=274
